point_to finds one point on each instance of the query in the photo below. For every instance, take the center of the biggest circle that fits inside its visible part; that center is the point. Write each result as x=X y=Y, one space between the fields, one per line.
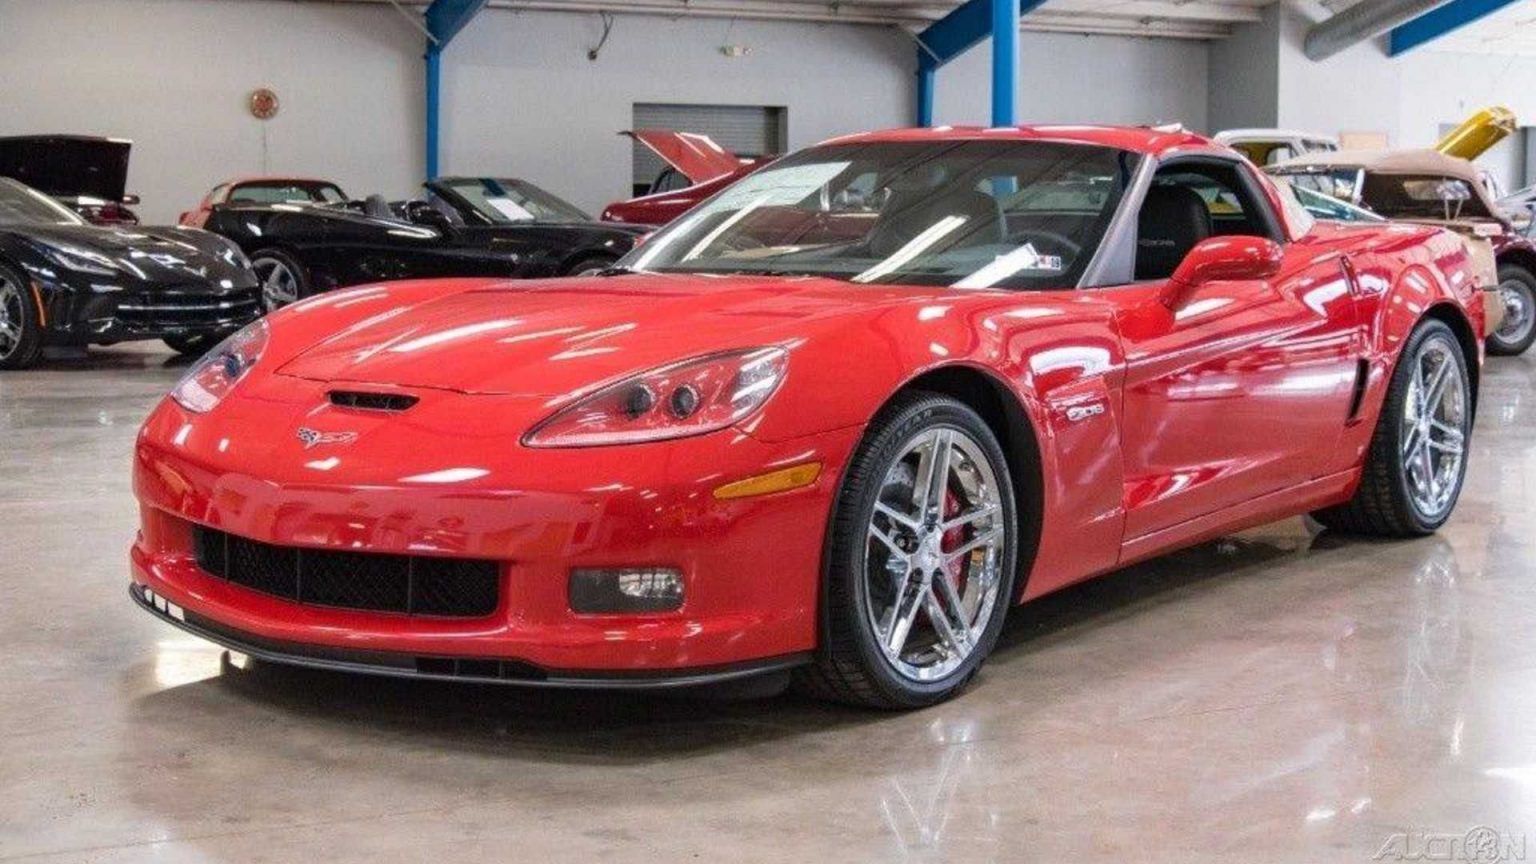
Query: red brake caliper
x=954 y=538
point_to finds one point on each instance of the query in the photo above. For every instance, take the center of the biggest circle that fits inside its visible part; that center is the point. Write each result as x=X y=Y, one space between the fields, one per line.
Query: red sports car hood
x=554 y=337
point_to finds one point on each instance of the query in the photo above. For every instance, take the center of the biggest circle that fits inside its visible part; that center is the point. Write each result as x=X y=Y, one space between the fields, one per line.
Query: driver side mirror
x=422 y=213
x=1222 y=258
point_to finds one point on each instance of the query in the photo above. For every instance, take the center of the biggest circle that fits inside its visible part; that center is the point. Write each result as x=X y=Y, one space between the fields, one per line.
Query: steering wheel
x=1062 y=243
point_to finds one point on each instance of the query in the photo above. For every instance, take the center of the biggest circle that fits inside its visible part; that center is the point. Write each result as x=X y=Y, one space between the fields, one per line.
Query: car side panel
x=1056 y=355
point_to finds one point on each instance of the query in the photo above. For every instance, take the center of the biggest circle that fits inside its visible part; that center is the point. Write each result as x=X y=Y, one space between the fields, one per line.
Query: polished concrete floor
x=1277 y=696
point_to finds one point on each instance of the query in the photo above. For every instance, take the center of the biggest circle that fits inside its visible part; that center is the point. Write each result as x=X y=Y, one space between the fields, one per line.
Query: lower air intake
x=407 y=584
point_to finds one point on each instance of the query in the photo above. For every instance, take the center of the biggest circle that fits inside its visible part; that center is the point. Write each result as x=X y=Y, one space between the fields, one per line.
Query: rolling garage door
x=746 y=130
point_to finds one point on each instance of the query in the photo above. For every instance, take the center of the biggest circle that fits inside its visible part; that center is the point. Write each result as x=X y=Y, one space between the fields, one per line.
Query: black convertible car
x=461 y=226
x=66 y=282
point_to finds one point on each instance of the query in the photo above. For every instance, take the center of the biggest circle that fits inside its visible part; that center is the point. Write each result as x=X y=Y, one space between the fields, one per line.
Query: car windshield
x=1422 y=196
x=1325 y=206
x=493 y=201
x=287 y=191
x=22 y=205
x=1340 y=183
x=969 y=214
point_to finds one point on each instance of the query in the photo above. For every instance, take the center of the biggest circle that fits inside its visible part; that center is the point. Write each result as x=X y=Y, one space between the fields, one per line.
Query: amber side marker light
x=782 y=480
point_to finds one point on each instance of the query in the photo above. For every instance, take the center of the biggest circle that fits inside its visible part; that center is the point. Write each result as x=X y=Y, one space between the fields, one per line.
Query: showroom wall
x=520 y=95
x=173 y=75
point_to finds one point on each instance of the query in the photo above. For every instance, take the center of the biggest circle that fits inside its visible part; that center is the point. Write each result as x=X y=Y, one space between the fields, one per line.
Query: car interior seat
x=1172 y=220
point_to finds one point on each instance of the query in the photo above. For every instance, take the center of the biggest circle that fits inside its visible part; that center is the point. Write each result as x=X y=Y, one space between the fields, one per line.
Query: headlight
x=81 y=260
x=214 y=374
x=695 y=396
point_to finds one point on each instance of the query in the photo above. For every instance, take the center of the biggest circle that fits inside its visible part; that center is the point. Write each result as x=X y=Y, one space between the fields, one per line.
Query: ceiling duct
x=1365 y=20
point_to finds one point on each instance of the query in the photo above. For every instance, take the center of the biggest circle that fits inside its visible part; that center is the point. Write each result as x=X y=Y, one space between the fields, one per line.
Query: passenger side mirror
x=1214 y=259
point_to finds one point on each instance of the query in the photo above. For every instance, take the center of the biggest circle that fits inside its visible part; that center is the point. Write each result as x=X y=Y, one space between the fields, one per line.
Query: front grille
x=372 y=401
x=172 y=309
x=408 y=584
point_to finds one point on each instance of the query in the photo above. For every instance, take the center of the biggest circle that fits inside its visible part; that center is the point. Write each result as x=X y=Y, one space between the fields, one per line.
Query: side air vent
x=372 y=401
x=1357 y=398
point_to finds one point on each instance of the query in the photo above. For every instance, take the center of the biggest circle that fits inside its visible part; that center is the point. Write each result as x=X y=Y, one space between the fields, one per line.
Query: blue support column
x=962 y=29
x=925 y=81
x=444 y=20
x=1005 y=62
x=434 y=60
x=1439 y=21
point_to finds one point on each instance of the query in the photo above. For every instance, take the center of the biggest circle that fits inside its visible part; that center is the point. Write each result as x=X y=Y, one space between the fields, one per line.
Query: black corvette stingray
x=461 y=226
x=66 y=282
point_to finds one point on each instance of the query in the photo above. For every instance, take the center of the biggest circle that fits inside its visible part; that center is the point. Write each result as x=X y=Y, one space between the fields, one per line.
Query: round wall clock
x=263 y=103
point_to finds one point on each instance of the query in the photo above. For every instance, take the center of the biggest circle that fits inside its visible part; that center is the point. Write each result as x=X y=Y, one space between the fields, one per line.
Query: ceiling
x=1511 y=31
x=1184 y=19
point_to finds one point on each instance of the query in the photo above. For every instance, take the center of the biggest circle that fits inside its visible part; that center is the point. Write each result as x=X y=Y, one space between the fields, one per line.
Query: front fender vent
x=363 y=401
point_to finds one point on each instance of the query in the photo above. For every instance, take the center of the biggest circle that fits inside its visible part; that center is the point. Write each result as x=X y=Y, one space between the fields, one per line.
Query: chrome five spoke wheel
x=936 y=543
x=1434 y=428
x=279 y=286
x=11 y=315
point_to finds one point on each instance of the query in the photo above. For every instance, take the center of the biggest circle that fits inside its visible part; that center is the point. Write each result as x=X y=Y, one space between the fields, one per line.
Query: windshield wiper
x=616 y=270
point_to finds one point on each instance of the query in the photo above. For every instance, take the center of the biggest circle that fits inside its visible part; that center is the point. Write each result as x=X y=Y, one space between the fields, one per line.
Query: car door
x=1243 y=387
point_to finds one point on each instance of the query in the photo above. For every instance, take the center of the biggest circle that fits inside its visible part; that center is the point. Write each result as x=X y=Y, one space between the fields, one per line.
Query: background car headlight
x=214 y=374
x=81 y=260
x=695 y=396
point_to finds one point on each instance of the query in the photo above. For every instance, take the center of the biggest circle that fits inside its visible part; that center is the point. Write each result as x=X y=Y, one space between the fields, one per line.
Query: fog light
x=626 y=589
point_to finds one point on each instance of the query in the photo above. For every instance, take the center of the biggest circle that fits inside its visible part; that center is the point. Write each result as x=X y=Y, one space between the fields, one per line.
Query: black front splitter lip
x=406 y=666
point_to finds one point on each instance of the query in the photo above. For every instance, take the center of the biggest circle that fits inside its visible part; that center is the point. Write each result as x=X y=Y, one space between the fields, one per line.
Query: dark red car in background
x=697 y=169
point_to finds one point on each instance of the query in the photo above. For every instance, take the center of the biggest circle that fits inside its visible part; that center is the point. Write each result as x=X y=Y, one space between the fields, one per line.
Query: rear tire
x=919 y=572
x=590 y=266
x=1517 y=289
x=283 y=280
x=1417 y=459
x=21 y=326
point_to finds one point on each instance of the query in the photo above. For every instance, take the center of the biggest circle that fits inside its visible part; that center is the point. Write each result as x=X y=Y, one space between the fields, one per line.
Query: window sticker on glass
x=1024 y=259
x=510 y=209
x=782 y=186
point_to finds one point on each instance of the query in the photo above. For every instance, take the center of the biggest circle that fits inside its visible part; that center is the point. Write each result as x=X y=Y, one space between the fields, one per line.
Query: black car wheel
x=1417 y=459
x=1517 y=289
x=283 y=279
x=921 y=559
x=194 y=345
x=21 y=330
x=590 y=266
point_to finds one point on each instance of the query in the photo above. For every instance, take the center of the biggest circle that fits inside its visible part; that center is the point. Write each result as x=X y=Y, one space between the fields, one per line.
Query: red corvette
x=1045 y=353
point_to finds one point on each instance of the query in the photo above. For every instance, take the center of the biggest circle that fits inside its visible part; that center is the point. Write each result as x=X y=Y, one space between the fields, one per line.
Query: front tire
x=21 y=328
x=1517 y=289
x=1417 y=459
x=194 y=345
x=283 y=279
x=921 y=558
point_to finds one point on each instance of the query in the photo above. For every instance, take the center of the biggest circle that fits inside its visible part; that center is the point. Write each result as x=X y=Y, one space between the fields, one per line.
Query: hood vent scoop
x=394 y=402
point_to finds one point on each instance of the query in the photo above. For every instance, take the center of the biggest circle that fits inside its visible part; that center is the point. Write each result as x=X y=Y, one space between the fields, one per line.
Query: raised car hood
x=67 y=165
x=555 y=337
x=695 y=156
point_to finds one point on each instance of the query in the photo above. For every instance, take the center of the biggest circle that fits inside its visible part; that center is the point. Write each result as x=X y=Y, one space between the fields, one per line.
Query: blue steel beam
x=444 y=20
x=967 y=26
x=1438 y=22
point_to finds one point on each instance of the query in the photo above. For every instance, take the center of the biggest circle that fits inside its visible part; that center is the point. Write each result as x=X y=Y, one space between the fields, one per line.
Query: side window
x=1187 y=203
x=669 y=181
